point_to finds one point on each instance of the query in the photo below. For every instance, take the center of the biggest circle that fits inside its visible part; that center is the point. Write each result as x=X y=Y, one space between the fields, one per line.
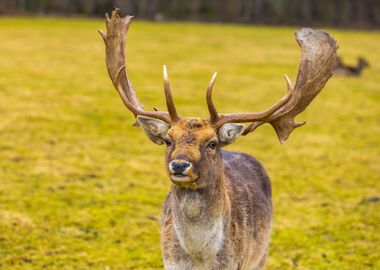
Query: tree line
x=342 y=13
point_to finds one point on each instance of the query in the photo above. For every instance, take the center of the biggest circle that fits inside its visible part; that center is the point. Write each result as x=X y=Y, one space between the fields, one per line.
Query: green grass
x=80 y=188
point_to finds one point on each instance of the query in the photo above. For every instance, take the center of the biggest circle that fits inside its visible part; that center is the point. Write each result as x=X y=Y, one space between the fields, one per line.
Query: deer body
x=224 y=226
x=347 y=70
x=218 y=213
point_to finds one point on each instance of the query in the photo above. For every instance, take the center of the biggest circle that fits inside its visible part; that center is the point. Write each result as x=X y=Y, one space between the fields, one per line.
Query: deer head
x=194 y=144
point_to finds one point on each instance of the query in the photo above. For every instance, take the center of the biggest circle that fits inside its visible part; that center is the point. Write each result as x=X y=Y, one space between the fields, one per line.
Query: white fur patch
x=230 y=132
x=155 y=129
x=200 y=238
x=181 y=265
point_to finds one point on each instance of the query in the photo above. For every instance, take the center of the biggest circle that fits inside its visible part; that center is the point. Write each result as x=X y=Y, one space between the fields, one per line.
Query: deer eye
x=168 y=142
x=212 y=145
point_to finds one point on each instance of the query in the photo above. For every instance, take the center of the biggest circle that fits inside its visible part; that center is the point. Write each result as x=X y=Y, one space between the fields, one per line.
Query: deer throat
x=199 y=223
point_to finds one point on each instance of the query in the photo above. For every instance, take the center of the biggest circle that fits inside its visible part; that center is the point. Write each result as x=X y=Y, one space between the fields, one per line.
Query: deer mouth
x=180 y=178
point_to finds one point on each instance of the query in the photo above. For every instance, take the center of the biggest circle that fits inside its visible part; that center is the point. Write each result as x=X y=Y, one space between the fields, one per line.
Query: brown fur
x=228 y=205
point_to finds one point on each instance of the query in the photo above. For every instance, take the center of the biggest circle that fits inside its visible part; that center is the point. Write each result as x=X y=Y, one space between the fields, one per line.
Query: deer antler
x=114 y=39
x=318 y=52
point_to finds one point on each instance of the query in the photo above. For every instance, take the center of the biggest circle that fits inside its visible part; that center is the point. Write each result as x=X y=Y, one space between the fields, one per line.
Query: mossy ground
x=80 y=188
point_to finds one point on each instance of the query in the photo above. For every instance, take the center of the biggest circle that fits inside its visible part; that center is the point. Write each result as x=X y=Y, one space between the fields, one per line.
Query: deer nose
x=179 y=166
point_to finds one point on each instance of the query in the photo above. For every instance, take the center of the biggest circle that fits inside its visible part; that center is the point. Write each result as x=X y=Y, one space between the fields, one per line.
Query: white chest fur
x=199 y=235
x=200 y=239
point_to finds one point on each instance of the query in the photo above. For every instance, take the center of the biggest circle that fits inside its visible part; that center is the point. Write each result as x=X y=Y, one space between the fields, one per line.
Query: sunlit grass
x=80 y=188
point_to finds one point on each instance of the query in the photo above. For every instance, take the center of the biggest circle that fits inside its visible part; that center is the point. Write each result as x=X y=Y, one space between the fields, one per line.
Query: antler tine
x=121 y=92
x=114 y=39
x=210 y=104
x=169 y=98
x=288 y=83
x=107 y=17
x=132 y=107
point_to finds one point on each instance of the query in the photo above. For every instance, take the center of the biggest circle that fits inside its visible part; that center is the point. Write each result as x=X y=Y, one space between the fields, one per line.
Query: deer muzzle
x=181 y=171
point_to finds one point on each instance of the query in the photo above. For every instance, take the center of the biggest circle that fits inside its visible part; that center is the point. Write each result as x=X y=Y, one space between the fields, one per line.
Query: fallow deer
x=347 y=70
x=218 y=212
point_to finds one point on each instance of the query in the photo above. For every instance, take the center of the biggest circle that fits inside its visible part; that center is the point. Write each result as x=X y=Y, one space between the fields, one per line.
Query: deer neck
x=194 y=205
x=199 y=217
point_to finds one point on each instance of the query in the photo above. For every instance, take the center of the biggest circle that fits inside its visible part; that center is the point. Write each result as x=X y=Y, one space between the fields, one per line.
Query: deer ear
x=229 y=132
x=155 y=129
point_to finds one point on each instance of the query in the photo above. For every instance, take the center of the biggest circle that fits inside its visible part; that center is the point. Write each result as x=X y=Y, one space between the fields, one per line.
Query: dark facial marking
x=194 y=124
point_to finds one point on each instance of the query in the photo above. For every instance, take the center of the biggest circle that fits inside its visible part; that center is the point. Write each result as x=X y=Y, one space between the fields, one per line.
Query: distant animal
x=218 y=213
x=342 y=69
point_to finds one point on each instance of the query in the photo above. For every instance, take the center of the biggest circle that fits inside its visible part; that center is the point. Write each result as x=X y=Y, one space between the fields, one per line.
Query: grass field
x=80 y=188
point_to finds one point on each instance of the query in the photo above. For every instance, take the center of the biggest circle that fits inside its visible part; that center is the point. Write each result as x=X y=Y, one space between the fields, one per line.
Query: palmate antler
x=114 y=39
x=318 y=53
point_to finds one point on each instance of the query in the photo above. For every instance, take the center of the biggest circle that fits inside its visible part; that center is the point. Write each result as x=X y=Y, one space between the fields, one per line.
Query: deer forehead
x=191 y=131
x=188 y=134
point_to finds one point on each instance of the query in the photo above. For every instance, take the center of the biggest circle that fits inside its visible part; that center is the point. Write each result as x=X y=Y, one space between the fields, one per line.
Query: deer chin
x=180 y=178
x=183 y=179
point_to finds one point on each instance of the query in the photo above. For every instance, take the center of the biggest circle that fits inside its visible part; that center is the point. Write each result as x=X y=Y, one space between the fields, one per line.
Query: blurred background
x=342 y=13
x=75 y=191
